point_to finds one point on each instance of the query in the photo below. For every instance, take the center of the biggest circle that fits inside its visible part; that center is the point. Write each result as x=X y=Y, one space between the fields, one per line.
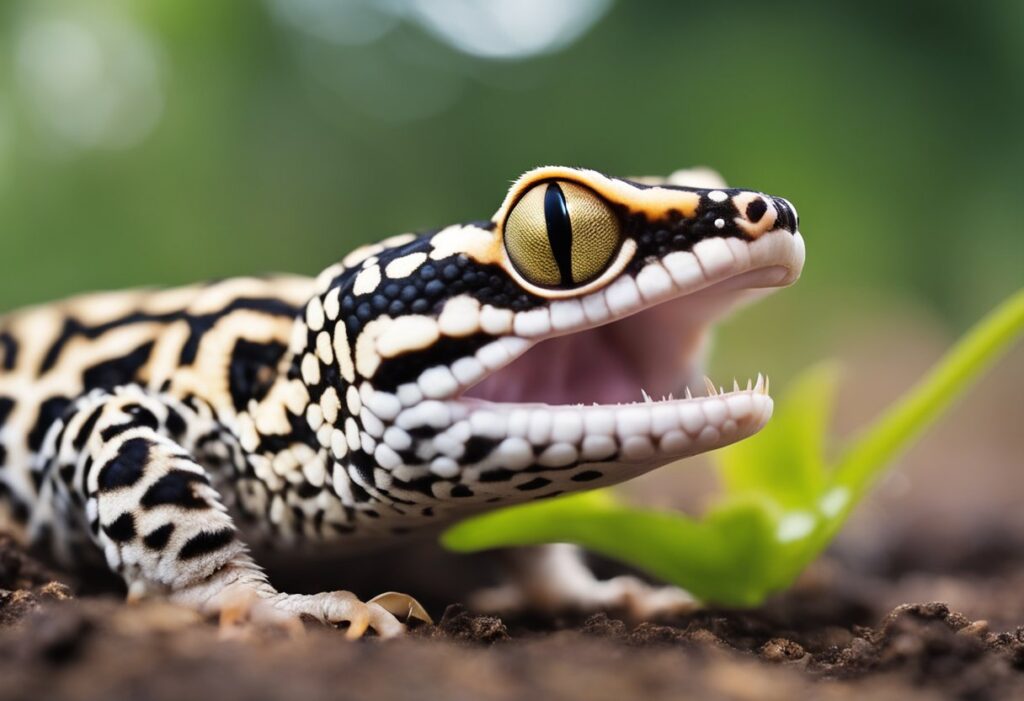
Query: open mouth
x=610 y=377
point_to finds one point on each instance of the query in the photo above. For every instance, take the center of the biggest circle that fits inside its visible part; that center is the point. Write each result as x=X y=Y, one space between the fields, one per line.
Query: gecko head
x=553 y=347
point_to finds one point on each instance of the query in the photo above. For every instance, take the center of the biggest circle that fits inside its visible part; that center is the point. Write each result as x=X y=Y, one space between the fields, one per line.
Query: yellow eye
x=560 y=234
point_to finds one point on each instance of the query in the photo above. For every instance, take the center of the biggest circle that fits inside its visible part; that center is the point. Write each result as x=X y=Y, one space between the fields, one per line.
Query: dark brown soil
x=859 y=624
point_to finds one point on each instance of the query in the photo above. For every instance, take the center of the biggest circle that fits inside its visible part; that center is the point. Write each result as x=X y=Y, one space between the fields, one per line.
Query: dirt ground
x=864 y=622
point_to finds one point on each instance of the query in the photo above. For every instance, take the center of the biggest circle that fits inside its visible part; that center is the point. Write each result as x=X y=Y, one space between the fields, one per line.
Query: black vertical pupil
x=556 y=216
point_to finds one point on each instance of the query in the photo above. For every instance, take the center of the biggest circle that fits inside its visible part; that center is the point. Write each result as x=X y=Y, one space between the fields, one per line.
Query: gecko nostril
x=756 y=210
x=788 y=218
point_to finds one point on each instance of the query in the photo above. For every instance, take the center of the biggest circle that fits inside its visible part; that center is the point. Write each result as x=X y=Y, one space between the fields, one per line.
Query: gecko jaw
x=517 y=407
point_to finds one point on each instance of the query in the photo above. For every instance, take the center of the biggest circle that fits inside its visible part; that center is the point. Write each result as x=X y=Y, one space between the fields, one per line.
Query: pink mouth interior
x=658 y=350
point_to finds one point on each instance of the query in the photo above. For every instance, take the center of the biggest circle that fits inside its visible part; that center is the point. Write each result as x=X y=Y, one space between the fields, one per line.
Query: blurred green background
x=162 y=142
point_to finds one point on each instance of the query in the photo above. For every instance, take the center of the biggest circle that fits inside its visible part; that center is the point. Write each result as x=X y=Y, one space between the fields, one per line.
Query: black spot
x=252 y=369
x=9 y=350
x=535 y=483
x=461 y=490
x=67 y=473
x=122 y=529
x=360 y=495
x=756 y=210
x=126 y=467
x=142 y=415
x=175 y=488
x=175 y=423
x=307 y=490
x=407 y=367
x=477 y=448
x=200 y=325
x=51 y=410
x=157 y=539
x=586 y=476
x=85 y=431
x=205 y=543
x=363 y=465
x=117 y=371
x=111 y=432
x=499 y=475
x=3 y=456
x=6 y=404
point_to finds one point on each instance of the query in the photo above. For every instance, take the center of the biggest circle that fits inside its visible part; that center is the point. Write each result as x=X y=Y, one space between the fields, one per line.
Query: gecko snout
x=758 y=214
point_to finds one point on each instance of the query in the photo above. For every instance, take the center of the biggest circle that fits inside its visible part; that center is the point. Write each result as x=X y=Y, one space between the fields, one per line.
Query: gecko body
x=418 y=381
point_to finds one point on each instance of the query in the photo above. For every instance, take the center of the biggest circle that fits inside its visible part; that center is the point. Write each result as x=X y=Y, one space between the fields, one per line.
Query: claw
x=357 y=626
x=401 y=606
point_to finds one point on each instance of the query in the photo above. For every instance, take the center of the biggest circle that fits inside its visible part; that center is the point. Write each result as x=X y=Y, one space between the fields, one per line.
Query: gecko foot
x=241 y=596
x=554 y=579
x=631 y=595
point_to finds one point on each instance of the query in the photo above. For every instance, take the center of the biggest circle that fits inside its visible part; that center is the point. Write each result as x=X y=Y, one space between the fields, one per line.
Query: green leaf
x=787 y=462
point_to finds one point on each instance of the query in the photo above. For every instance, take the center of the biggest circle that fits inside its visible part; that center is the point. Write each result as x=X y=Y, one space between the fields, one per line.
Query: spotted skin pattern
x=164 y=430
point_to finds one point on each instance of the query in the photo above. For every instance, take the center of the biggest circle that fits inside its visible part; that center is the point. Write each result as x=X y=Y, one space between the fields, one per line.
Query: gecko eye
x=560 y=234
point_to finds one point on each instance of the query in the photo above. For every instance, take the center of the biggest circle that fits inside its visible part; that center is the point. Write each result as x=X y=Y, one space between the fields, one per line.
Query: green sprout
x=783 y=499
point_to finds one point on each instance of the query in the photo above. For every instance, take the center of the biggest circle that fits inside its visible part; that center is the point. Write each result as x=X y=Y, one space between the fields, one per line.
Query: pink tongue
x=568 y=370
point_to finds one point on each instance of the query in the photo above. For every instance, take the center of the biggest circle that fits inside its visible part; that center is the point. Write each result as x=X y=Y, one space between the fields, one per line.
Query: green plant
x=783 y=499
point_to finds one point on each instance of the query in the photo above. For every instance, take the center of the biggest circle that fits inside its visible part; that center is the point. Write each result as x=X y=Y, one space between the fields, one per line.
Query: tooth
x=710 y=386
x=689 y=394
x=438 y=382
x=515 y=453
x=496 y=321
x=735 y=385
x=739 y=405
x=691 y=418
x=539 y=431
x=709 y=436
x=759 y=385
x=536 y=322
x=664 y=418
x=634 y=421
x=647 y=397
x=567 y=314
x=674 y=442
x=767 y=385
x=684 y=269
x=637 y=448
x=488 y=424
x=595 y=308
x=567 y=427
x=716 y=411
x=518 y=422
x=558 y=455
x=715 y=257
x=493 y=355
x=599 y=422
x=622 y=295
x=748 y=384
x=598 y=447
x=468 y=370
x=654 y=282
x=740 y=252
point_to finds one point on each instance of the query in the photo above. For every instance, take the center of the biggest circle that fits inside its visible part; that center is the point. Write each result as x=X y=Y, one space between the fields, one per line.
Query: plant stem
x=932 y=395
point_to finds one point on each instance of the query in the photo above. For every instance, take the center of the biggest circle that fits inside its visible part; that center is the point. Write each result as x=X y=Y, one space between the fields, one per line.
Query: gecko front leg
x=122 y=465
